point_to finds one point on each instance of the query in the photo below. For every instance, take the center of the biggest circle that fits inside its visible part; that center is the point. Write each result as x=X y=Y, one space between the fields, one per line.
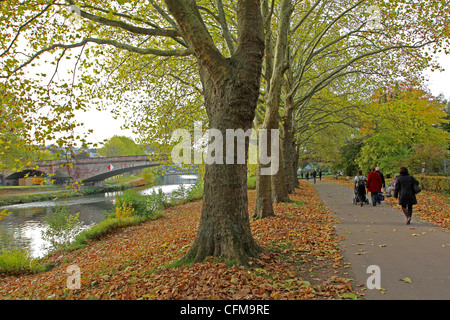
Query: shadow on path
x=418 y=253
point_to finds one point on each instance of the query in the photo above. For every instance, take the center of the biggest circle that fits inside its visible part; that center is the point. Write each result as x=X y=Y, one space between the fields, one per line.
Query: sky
x=105 y=126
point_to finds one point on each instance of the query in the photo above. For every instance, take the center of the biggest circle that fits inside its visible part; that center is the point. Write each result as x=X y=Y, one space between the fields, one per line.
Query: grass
x=15 y=262
x=105 y=227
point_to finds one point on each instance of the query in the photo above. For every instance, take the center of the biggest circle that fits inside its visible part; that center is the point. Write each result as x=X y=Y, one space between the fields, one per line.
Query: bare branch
x=114 y=43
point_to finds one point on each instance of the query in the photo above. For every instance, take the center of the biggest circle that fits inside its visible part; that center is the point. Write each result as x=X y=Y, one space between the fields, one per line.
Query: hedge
x=434 y=183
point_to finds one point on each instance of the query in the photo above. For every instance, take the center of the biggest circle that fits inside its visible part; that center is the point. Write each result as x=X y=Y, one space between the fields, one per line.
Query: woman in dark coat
x=404 y=191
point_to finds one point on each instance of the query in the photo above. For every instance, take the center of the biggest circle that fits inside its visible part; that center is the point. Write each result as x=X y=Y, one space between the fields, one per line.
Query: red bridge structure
x=90 y=171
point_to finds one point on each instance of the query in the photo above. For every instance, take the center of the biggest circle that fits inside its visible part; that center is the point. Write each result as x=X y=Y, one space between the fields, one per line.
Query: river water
x=23 y=228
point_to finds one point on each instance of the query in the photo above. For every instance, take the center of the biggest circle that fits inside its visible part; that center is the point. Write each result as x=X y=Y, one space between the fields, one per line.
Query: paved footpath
x=418 y=253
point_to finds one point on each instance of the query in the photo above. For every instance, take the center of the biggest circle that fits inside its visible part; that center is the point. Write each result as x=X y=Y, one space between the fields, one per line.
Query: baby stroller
x=360 y=196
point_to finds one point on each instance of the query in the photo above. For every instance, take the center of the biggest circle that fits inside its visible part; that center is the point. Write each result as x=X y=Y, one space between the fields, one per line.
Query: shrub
x=179 y=195
x=132 y=203
x=126 y=210
x=434 y=183
x=17 y=261
x=62 y=226
x=137 y=201
x=195 y=192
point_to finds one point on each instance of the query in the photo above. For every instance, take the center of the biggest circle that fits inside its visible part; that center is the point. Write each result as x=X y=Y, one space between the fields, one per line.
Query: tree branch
x=114 y=43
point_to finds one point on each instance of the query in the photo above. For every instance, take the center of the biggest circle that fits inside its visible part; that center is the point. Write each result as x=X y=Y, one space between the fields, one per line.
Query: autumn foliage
x=300 y=260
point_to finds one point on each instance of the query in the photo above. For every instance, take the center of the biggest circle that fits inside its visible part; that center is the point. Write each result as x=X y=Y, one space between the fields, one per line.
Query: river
x=23 y=228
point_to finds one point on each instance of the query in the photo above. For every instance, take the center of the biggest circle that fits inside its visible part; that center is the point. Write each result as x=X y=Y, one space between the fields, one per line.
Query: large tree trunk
x=231 y=90
x=224 y=224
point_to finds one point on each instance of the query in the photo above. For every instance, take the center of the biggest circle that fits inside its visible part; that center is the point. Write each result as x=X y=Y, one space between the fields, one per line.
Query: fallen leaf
x=406 y=280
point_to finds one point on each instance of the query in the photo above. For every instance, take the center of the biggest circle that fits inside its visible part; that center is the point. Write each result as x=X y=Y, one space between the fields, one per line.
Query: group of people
x=314 y=175
x=402 y=186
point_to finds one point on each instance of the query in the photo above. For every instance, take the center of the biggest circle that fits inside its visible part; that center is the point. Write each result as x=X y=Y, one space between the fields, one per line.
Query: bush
x=434 y=183
x=137 y=201
x=126 y=210
x=17 y=262
x=195 y=192
x=62 y=226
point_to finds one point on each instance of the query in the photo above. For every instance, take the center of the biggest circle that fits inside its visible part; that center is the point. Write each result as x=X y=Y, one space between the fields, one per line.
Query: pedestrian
x=307 y=176
x=374 y=185
x=314 y=175
x=360 y=187
x=404 y=191
x=320 y=175
x=383 y=181
x=391 y=186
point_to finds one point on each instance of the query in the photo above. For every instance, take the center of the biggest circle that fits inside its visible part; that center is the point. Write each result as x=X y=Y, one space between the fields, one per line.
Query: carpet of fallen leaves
x=431 y=206
x=301 y=260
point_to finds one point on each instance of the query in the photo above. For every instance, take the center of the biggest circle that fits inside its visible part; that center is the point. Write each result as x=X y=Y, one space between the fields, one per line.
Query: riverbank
x=17 y=195
x=300 y=260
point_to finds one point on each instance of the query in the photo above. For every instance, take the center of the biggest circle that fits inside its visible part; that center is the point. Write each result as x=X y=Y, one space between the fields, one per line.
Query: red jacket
x=374 y=183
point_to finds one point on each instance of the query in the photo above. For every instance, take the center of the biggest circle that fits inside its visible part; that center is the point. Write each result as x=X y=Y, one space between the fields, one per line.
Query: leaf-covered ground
x=301 y=260
x=431 y=206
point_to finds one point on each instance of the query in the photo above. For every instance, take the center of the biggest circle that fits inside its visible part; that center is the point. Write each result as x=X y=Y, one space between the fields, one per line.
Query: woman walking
x=404 y=191
x=374 y=185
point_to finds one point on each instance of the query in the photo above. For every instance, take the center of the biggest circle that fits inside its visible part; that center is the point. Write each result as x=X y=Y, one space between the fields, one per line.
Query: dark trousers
x=374 y=196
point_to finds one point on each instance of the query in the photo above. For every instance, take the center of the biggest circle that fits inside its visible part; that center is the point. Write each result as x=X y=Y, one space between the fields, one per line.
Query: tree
x=120 y=146
x=398 y=120
x=229 y=72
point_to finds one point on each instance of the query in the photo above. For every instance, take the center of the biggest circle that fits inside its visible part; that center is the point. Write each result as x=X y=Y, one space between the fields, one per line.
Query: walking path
x=413 y=260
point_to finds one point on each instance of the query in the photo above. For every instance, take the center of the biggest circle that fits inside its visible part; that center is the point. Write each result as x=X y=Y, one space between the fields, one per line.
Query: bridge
x=91 y=171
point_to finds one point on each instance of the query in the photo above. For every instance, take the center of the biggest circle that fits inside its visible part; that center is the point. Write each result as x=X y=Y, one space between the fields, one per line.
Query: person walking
x=404 y=191
x=374 y=185
x=314 y=175
x=320 y=175
x=360 y=187
x=383 y=181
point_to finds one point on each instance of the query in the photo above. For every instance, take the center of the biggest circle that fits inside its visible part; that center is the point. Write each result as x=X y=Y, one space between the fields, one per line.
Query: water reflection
x=23 y=228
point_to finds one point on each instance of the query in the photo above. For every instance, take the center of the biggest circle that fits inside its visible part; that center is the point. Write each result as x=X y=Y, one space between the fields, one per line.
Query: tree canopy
x=120 y=146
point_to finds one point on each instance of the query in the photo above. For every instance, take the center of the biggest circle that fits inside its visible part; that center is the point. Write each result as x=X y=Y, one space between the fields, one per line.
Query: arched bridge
x=90 y=170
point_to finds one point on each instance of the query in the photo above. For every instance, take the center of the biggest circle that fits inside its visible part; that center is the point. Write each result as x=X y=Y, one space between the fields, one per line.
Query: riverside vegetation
x=64 y=230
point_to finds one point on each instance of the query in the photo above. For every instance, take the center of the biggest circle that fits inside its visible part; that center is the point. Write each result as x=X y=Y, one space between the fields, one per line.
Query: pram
x=360 y=196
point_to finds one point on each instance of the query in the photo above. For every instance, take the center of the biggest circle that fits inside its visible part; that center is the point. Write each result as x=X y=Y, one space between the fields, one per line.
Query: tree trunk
x=231 y=90
x=224 y=224
x=288 y=148
x=278 y=181
x=271 y=119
